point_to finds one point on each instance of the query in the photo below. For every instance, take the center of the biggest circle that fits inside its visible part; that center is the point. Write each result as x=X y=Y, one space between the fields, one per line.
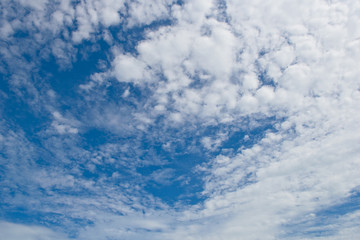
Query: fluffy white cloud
x=129 y=69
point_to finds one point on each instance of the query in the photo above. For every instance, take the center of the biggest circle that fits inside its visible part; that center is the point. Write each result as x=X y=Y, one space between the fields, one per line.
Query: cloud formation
x=179 y=119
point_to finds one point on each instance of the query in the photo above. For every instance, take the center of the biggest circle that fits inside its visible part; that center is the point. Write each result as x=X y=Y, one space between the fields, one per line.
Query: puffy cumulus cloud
x=196 y=61
x=224 y=70
x=129 y=69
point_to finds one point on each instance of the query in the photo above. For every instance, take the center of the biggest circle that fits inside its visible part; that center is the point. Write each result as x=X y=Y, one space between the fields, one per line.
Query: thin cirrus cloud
x=179 y=119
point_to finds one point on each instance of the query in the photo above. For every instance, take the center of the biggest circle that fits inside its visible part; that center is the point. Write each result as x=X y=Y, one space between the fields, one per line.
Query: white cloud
x=293 y=61
x=145 y=12
x=6 y=30
x=214 y=143
x=90 y=15
x=129 y=69
x=38 y=5
x=297 y=78
x=12 y=231
x=63 y=125
x=163 y=176
x=61 y=128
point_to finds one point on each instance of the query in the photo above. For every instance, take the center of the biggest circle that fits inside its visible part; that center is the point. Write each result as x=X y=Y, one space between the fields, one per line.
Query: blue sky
x=167 y=119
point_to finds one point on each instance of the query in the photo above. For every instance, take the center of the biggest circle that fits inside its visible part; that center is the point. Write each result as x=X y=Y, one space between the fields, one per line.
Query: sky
x=179 y=119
